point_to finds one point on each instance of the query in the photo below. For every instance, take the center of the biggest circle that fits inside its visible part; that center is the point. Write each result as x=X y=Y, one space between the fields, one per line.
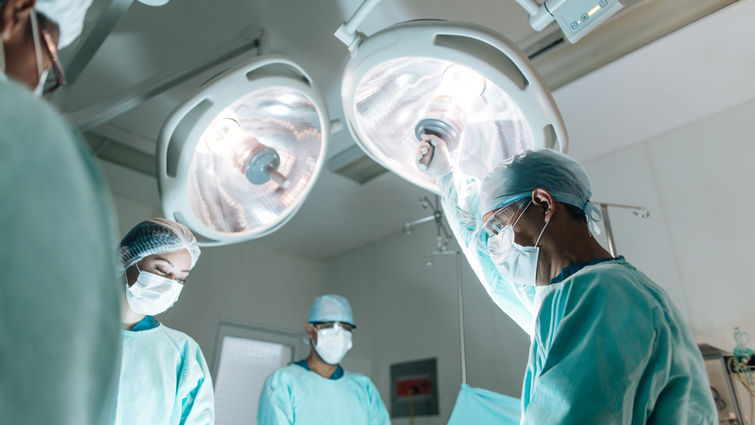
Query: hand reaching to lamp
x=434 y=158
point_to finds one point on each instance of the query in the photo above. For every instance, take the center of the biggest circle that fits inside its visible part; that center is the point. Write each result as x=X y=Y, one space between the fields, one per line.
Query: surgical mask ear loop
x=2 y=57
x=37 y=44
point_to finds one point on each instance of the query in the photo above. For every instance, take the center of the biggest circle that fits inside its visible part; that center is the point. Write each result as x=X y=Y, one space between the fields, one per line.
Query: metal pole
x=609 y=230
x=461 y=320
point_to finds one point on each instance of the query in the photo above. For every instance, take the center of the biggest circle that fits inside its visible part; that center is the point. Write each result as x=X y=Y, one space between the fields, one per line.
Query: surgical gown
x=608 y=345
x=164 y=380
x=294 y=395
x=59 y=297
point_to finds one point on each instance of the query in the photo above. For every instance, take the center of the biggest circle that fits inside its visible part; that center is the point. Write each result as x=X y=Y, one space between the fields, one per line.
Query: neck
x=566 y=249
x=317 y=365
x=129 y=318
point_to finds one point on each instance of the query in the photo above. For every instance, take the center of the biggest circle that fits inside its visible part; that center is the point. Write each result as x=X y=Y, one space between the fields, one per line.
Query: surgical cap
x=68 y=14
x=331 y=308
x=515 y=179
x=156 y=236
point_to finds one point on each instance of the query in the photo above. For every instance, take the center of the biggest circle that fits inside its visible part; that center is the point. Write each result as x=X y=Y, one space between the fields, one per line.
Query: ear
x=15 y=18
x=543 y=199
x=311 y=333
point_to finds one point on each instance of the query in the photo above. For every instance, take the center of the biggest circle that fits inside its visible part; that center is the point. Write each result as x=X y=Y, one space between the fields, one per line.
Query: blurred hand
x=434 y=158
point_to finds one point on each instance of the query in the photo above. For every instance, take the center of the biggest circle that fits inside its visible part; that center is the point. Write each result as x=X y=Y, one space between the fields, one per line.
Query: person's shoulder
x=181 y=340
x=20 y=107
x=612 y=282
x=360 y=379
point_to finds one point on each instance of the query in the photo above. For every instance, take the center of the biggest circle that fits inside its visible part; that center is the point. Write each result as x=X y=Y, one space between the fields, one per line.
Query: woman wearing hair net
x=59 y=340
x=608 y=345
x=164 y=377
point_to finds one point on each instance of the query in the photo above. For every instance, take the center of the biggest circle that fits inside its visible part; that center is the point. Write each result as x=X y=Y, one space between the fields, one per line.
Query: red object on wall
x=417 y=386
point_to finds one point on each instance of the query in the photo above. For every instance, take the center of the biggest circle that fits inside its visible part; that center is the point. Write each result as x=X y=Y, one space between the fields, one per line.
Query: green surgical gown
x=164 y=380
x=608 y=345
x=293 y=395
x=59 y=299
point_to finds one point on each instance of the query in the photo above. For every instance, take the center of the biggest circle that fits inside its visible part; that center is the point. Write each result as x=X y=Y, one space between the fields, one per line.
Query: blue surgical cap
x=331 y=308
x=515 y=179
x=156 y=236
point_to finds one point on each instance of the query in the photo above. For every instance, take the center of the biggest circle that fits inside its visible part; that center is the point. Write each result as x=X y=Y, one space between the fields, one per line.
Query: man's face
x=19 y=46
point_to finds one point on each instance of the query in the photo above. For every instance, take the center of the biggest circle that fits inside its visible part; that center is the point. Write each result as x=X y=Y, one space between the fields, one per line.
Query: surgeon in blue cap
x=608 y=345
x=317 y=390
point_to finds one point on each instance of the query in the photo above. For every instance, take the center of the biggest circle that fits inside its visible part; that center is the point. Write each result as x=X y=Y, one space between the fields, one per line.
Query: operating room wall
x=698 y=241
x=407 y=310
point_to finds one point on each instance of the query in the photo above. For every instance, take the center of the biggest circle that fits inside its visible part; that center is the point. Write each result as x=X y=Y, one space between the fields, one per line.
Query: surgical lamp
x=576 y=18
x=236 y=160
x=460 y=82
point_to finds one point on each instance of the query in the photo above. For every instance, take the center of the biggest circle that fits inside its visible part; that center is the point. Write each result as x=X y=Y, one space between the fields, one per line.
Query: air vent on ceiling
x=354 y=164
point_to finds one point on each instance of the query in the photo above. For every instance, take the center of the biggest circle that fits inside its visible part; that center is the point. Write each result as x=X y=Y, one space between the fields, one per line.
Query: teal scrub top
x=164 y=379
x=294 y=395
x=59 y=296
x=608 y=345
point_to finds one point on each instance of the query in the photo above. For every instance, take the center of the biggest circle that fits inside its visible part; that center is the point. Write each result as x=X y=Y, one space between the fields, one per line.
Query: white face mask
x=517 y=263
x=152 y=294
x=333 y=343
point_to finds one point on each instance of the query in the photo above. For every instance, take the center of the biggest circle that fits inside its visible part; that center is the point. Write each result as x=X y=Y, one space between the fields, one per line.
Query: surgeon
x=59 y=299
x=164 y=377
x=608 y=345
x=317 y=390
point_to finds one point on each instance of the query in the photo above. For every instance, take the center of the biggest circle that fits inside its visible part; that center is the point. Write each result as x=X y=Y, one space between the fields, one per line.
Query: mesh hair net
x=331 y=308
x=68 y=14
x=156 y=236
x=560 y=175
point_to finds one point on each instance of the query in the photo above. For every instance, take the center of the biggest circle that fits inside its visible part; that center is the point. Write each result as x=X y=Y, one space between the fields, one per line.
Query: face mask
x=152 y=294
x=517 y=263
x=333 y=343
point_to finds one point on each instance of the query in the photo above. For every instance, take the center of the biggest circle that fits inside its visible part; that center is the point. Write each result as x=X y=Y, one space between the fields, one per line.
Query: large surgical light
x=237 y=160
x=461 y=82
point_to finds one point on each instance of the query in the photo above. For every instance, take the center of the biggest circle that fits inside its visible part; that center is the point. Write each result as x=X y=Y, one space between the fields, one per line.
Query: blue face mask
x=516 y=263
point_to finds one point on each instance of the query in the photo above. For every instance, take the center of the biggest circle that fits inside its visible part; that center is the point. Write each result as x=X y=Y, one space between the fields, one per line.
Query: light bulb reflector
x=220 y=194
x=395 y=96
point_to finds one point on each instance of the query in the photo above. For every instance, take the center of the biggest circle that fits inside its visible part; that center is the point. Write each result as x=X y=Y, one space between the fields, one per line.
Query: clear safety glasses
x=331 y=325
x=499 y=220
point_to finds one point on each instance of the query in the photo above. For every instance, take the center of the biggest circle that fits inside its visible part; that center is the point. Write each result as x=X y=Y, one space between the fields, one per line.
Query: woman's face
x=173 y=265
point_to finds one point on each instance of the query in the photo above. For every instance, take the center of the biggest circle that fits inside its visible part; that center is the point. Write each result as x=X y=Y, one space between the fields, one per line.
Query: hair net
x=68 y=14
x=156 y=236
x=331 y=308
x=560 y=175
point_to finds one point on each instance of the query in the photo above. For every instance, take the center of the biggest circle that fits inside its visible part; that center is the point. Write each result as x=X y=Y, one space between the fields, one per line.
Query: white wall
x=698 y=241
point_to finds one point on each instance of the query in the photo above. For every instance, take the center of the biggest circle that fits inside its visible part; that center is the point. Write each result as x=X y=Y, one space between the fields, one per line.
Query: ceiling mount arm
x=348 y=33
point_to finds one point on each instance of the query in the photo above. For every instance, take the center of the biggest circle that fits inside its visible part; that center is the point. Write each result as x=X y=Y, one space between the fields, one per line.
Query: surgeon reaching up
x=608 y=345
x=317 y=390
x=164 y=378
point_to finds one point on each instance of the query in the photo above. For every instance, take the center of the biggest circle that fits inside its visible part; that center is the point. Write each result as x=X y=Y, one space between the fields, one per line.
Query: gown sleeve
x=275 y=406
x=378 y=413
x=195 y=389
x=461 y=200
